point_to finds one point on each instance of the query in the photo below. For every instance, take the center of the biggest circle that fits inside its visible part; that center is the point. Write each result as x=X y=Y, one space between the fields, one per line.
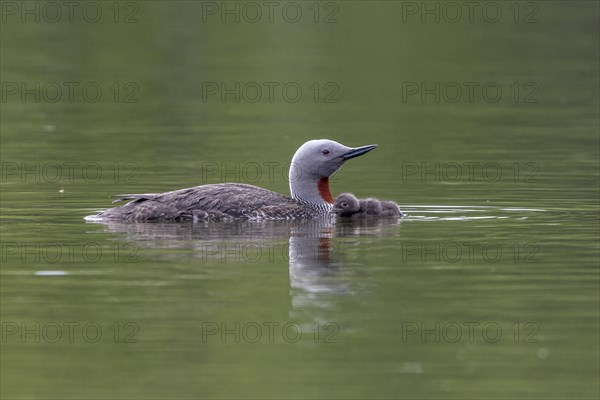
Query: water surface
x=487 y=289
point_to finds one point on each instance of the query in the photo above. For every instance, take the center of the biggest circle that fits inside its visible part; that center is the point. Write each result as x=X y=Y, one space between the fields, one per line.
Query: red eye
x=325 y=152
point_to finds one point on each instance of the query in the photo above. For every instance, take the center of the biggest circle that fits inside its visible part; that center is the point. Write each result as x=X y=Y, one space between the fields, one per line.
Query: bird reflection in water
x=319 y=252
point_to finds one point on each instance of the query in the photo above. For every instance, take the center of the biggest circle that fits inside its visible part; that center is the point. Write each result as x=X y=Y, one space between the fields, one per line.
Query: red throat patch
x=324 y=190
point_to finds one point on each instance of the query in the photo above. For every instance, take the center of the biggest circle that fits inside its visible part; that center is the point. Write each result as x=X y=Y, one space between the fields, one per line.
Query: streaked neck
x=312 y=191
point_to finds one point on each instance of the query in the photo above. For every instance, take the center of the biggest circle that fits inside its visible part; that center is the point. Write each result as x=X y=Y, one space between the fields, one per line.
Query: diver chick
x=347 y=205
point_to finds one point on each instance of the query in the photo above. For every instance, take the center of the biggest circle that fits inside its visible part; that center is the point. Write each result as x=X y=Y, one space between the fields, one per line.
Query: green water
x=489 y=139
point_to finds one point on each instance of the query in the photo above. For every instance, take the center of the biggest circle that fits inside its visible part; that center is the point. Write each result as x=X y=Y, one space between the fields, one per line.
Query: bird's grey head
x=346 y=204
x=314 y=162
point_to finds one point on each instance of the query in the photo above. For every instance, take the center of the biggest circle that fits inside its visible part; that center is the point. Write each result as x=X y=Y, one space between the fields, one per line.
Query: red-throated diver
x=348 y=205
x=312 y=165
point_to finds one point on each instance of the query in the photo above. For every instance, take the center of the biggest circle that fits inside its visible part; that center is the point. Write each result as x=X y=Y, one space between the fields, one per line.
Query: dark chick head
x=346 y=204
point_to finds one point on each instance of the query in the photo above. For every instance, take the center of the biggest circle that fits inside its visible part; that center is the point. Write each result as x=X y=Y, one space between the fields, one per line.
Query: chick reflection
x=321 y=270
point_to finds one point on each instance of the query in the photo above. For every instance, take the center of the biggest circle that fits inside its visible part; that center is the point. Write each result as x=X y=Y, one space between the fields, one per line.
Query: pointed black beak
x=359 y=151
